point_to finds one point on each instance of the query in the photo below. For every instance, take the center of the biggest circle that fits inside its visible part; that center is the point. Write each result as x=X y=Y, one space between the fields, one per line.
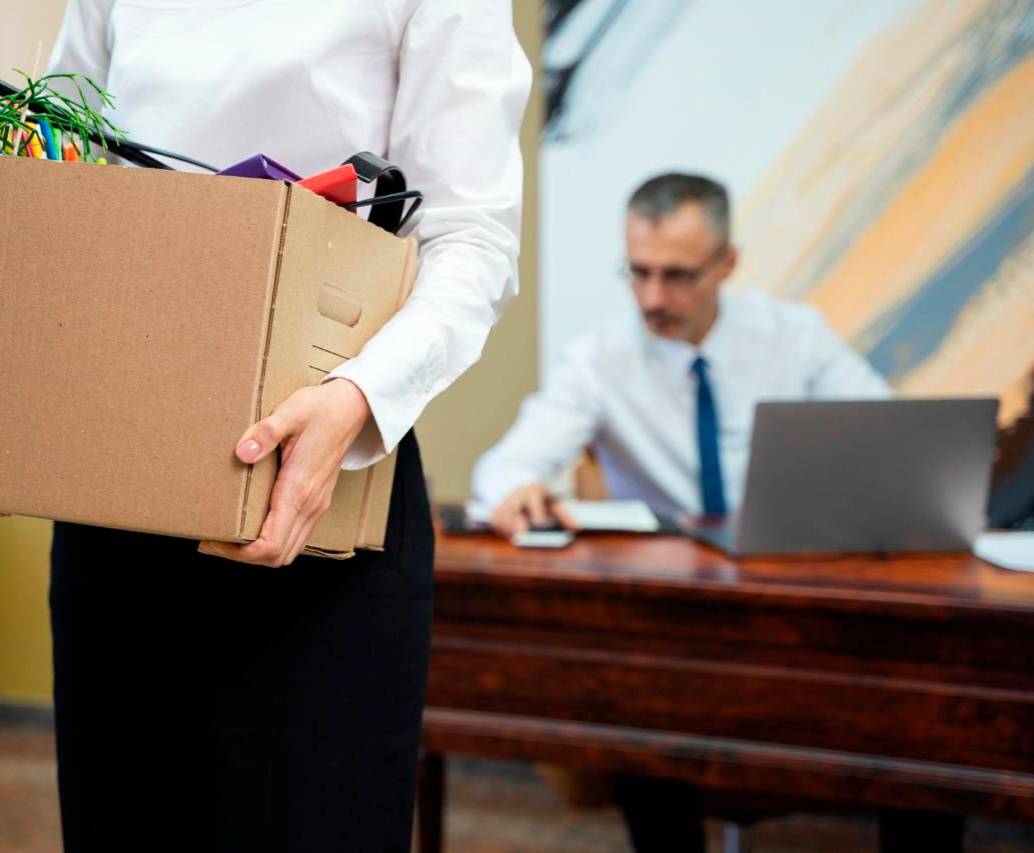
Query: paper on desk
x=1008 y=549
x=622 y=516
x=617 y=516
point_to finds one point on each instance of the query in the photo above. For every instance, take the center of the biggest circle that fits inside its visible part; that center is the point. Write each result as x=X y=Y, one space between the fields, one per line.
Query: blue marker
x=48 y=137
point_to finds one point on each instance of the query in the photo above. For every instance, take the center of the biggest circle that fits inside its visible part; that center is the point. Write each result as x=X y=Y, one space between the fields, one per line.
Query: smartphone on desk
x=550 y=538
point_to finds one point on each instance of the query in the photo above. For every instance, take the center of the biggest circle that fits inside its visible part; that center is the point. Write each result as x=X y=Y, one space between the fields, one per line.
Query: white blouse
x=437 y=87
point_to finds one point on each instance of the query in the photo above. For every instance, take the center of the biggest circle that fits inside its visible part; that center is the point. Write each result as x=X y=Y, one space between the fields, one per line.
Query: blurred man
x=665 y=402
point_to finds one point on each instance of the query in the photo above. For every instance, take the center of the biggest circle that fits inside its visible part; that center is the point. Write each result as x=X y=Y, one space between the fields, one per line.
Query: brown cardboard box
x=147 y=318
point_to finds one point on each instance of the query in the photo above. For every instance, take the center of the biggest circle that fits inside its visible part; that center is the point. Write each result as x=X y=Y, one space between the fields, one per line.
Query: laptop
x=862 y=476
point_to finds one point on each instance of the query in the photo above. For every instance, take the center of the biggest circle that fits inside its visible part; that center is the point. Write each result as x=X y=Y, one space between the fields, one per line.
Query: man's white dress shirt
x=630 y=397
x=437 y=87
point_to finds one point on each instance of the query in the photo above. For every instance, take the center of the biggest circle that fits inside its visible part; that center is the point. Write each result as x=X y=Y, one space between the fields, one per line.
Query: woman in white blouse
x=203 y=703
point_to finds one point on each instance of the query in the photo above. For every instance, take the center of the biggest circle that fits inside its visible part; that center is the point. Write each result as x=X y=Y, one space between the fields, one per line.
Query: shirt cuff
x=397 y=372
x=370 y=445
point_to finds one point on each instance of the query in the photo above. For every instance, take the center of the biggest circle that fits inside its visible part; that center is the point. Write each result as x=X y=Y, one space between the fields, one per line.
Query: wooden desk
x=864 y=681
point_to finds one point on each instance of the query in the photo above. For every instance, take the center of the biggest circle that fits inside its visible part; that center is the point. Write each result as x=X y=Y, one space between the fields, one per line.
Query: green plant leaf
x=75 y=117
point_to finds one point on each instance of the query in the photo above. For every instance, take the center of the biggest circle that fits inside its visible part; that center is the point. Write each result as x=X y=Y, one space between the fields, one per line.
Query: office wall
x=880 y=155
x=454 y=431
x=27 y=27
x=468 y=418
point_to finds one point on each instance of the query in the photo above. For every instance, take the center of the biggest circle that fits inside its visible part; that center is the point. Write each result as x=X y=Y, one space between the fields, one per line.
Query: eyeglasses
x=672 y=278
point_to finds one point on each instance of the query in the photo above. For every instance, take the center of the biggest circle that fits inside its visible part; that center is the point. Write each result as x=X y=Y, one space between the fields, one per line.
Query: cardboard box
x=147 y=318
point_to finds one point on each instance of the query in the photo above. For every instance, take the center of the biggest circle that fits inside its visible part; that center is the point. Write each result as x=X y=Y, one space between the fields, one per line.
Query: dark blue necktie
x=707 y=442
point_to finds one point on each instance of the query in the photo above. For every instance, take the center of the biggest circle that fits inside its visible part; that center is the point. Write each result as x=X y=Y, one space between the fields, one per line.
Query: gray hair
x=664 y=194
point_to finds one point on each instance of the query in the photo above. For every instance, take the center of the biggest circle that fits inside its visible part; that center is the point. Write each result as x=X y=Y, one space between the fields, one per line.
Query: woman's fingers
x=300 y=538
x=291 y=519
x=264 y=437
x=315 y=427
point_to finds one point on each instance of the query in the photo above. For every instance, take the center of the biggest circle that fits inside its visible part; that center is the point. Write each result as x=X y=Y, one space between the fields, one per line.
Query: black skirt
x=203 y=704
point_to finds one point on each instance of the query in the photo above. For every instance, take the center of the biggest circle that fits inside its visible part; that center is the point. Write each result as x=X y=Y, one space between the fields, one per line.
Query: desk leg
x=430 y=801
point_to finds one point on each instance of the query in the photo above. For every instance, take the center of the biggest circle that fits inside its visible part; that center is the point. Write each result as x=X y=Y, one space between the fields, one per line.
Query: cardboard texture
x=147 y=318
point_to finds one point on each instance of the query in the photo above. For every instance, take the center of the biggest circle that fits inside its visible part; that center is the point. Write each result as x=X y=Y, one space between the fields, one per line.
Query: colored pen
x=47 y=132
x=34 y=145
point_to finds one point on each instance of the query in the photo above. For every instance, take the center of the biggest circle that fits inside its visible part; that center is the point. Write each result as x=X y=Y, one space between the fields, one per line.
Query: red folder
x=337 y=184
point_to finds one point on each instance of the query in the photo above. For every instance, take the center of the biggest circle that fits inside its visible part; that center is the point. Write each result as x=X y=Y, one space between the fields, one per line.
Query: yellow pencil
x=35 y=145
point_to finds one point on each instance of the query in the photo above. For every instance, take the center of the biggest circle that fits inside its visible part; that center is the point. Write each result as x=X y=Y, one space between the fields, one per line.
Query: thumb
x=262 y=438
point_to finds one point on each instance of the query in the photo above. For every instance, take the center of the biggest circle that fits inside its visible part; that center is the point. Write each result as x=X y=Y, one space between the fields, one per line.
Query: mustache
x=659 y=316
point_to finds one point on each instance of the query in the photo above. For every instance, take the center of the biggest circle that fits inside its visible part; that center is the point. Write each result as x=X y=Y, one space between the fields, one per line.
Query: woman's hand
x=315 y=427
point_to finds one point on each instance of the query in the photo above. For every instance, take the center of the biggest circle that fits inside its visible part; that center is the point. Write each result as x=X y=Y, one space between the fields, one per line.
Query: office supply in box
x=260 y=166
x=337 y=184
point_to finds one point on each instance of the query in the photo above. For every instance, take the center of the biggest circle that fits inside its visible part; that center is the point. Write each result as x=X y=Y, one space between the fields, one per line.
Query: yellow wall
x=466 y=420
x=24 y=633
x=27 y=27
x=24 y=543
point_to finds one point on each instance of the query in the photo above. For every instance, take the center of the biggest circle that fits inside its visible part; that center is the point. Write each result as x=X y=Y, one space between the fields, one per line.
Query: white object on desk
x=621 y=516
x=1008 y=549
x=616 y=516
x=543 y=539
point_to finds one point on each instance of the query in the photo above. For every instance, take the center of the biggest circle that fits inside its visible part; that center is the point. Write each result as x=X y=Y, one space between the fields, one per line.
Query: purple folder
x=260 y=166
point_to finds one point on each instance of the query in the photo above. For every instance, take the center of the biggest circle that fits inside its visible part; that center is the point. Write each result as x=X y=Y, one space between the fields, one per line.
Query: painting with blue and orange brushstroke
x=903 y=207
x=911 y=193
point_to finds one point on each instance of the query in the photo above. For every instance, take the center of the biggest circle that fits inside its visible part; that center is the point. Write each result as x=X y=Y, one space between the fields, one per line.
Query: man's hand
x=530 y=506
x=315 y=427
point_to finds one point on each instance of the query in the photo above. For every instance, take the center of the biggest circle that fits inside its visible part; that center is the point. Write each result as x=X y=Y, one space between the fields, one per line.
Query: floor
x=493 y=807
